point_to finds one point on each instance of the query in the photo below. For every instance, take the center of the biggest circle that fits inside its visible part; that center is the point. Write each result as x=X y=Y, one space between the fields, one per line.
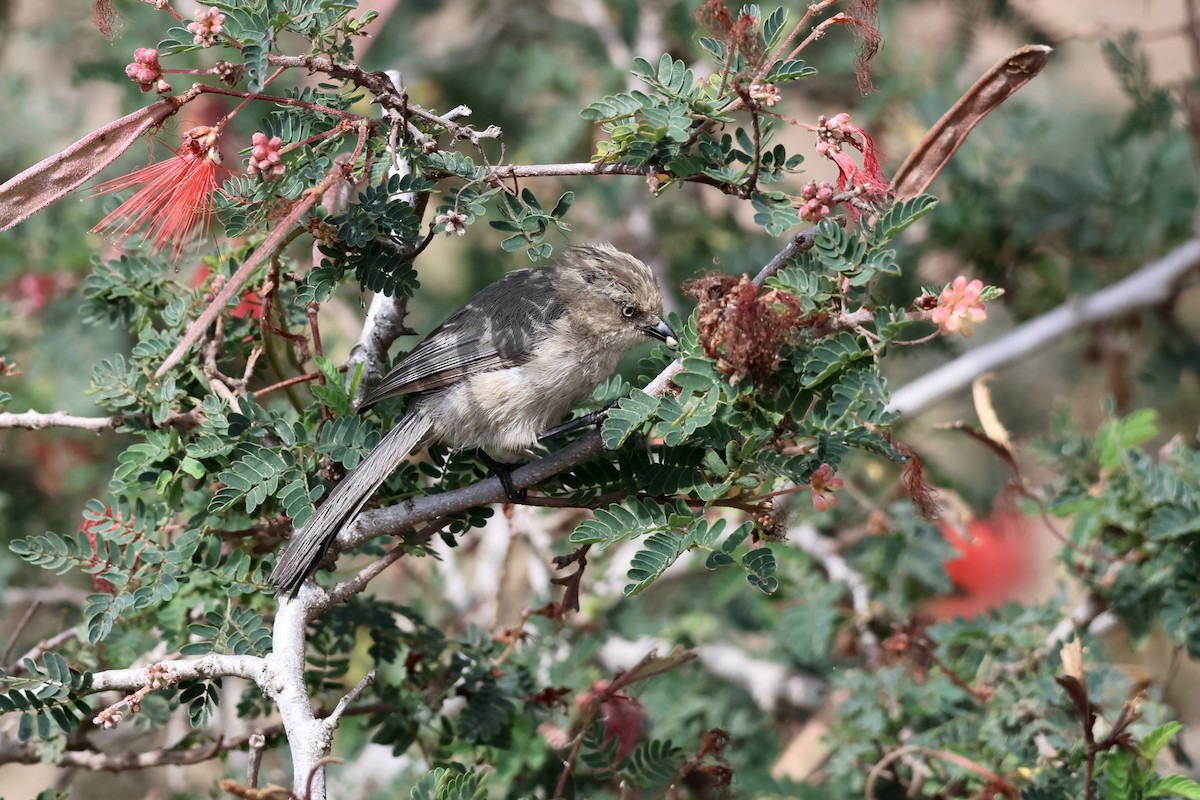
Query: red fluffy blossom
x=994 y=564
x=173 y=205
x=833 y=133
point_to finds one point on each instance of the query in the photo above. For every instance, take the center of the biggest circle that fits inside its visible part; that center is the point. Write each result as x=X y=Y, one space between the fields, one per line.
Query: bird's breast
x=504 y=411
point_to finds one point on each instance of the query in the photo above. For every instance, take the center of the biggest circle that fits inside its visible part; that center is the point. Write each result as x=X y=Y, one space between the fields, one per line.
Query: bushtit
x=502 y=369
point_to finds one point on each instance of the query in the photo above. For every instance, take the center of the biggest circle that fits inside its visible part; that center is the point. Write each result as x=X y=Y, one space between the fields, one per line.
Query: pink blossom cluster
x=209 y=22
x=960 y=307
x=146 y=72
x=265 y=159
x=815 y=201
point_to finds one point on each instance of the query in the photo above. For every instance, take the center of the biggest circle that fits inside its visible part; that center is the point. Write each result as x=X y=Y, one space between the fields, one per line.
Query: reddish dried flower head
x=960 y=307
x=265 y=159
x=173 y=204
x=823 y=487
x=209 y=22
x=741 y=328
x=228 y=72
x=146 y=72
x=870 y=181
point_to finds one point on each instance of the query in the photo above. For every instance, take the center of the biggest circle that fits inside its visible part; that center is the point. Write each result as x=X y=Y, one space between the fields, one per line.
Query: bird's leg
x=593 y=418
x=504 y=472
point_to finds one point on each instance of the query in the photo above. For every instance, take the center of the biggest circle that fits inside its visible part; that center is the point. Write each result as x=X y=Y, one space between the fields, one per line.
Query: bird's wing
x=496 y=329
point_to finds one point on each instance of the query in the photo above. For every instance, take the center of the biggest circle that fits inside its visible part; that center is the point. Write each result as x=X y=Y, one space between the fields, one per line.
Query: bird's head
x=613 y=295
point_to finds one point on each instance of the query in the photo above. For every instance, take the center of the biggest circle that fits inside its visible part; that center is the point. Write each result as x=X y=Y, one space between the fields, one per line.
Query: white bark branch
x=36 y=420
x=1152 y=284
x=214 y=665
x=809 y=539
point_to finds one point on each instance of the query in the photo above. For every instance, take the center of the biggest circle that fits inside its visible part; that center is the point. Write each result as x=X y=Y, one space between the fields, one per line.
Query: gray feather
x=308 y=545
x=497 y=329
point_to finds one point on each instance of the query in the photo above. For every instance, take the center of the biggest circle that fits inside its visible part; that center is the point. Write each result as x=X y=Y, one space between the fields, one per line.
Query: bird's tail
x=308 y=545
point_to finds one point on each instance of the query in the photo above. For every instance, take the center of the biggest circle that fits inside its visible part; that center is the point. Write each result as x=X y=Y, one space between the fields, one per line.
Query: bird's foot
x=504 y=472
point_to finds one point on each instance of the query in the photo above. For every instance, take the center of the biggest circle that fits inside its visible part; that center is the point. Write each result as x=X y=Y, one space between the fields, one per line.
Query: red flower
x=869 y=179
x=995 y=563
x=173 y=204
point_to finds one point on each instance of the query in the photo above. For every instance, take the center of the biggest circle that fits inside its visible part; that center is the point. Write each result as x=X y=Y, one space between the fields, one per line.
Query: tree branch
x=36 y=421
x=14 y=752
x=1154 y=283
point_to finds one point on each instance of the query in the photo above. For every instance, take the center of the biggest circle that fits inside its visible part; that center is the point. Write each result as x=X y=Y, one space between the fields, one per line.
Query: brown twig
x=311 y=376
x=12 y=639
x=995 y=782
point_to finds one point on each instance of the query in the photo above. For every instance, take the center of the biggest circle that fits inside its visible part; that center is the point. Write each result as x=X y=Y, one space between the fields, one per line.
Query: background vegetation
x=1034 y=639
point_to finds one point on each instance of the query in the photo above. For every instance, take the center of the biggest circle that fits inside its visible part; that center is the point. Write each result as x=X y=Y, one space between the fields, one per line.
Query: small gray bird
x=496 y=374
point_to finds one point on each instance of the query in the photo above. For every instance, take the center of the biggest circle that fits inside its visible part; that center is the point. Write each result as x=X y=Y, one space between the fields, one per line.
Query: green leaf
x=788 y=70
x=659 y=551
x=900 y=216
x=1173 y=521
x=760 y=567
x=1174 y=786
x=1114 y=436
x=1157 y=739
x=772 y=28
x=831 y=356
x=626 y=416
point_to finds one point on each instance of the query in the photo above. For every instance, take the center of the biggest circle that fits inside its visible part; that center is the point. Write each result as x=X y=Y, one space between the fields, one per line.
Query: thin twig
x=807 y=538
x=35 y=652
x=335 y=716
x=996 y=782
x=12 y=639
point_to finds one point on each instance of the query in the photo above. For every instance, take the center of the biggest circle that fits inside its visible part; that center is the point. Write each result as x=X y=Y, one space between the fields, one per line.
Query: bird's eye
x=628 y=311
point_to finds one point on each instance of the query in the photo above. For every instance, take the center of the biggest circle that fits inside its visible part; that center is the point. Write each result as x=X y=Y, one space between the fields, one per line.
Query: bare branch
x=808 y=539
x=336 y=716
x=214 y=665
x=36 y=421
x=772 y=686
x=35 y=652
x=12 y=751
x=1152 y=284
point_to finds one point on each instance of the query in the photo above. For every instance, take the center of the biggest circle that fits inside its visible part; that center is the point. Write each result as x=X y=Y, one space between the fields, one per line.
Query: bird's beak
x=661 y=331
